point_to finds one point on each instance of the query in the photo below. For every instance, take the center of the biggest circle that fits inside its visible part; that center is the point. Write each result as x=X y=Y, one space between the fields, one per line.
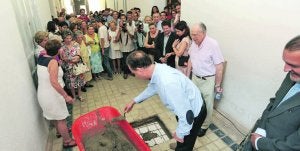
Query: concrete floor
x=222 y=135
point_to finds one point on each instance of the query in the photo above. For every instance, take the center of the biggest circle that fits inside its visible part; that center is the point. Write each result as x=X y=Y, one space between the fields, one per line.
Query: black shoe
x=59 y=136
x=125 y=76
x=83 y=89
x=109 y=78
x=89 y=85
x=201 y=132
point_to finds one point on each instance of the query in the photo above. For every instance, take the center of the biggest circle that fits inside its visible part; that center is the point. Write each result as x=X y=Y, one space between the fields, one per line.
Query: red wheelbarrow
x=89 y=123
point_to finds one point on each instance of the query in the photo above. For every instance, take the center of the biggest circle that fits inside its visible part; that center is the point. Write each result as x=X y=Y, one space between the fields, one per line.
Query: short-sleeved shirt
x=103 y=33
x=126 y=42
x=205 y=57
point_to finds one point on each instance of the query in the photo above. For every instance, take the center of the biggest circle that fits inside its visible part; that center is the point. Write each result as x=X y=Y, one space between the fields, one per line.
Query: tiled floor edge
x=226 y=139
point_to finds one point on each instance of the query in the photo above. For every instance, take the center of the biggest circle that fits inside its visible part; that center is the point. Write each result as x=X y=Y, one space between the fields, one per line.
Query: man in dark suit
x=163 y=44
x=279 y=126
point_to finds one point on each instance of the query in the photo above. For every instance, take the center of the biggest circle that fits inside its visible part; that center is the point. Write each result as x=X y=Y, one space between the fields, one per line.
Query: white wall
x=146 y=5
x=160 y=4
x=94 y=5
x=44 y=13
x=120 y=4
x=110 y=4
x=22 y=125
x=252 y=35
x=53 y=10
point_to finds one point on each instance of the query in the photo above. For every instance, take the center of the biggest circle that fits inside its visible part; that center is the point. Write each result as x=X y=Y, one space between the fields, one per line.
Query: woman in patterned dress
x=85 y=58
x=70 y=55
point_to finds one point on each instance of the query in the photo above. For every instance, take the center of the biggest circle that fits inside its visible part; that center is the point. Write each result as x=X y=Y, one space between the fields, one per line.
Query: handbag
x=80 y=67
x=182 y=60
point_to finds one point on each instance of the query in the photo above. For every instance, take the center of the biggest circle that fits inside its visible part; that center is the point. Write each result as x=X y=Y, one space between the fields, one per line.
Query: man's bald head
x=200 y=27
x=198 y=32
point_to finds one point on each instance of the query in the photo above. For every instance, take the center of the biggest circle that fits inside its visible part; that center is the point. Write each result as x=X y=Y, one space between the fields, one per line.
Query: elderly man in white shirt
x=206 y=61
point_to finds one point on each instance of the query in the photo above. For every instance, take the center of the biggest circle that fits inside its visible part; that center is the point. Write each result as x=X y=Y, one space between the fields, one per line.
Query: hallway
x=251 y=35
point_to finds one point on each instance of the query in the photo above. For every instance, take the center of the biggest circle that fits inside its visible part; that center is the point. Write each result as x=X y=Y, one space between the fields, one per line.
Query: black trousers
x=189 y=140
x=125 y=67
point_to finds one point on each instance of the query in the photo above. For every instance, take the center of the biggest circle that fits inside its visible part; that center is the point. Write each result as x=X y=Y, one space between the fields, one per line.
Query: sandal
x=69 y=144
x=81 y=99
x=59 y=136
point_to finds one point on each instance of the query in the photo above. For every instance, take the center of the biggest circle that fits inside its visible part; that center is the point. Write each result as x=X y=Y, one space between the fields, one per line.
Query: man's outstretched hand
x=129 y=106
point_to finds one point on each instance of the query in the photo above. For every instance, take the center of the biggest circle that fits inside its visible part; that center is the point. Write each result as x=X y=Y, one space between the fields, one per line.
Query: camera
x=124 y=26
x=139 y=25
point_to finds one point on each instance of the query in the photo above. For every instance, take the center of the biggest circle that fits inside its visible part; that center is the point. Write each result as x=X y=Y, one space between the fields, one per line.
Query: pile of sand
x=111 y=138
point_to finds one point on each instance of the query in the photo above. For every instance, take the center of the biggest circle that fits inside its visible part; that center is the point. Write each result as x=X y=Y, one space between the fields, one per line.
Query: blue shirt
x=178 y=93
x=295 y=89
x=158 y=26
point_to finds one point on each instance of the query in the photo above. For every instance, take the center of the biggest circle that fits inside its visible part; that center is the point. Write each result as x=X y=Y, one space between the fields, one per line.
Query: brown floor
x=118 y=92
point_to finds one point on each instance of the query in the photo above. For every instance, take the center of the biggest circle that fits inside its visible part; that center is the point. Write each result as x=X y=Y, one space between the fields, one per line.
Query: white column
x=125 y=5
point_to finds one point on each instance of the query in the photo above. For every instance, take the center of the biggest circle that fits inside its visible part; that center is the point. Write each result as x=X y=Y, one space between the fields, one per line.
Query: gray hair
x=78 y=33
x=202 y=27
x=66 y=33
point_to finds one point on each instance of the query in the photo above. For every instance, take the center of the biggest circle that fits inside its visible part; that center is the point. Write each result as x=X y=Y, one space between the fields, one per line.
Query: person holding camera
x=140 y=35
x=127 y=34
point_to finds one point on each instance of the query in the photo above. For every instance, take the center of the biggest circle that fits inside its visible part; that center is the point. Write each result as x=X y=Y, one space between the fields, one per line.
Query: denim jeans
x=106 y=62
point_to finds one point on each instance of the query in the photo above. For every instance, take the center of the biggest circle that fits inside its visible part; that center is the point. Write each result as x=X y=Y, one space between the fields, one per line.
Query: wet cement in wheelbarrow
x=112 y=138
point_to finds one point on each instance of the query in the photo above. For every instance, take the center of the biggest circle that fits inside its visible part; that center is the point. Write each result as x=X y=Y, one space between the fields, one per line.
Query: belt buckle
x=203 y=78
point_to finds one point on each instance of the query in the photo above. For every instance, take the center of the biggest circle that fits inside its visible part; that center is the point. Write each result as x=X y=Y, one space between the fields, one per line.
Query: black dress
x=152 y=51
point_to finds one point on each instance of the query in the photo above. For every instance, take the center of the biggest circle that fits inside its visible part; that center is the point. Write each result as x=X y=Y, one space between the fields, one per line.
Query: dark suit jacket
x=159 y=45
x=282 y=123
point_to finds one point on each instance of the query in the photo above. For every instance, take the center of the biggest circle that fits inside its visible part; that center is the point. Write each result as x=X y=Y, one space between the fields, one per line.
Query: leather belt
x=204 y=77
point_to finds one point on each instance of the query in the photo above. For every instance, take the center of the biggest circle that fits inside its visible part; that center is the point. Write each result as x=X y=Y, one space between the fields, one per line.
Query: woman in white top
x=51 y=95
x=115 y=53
